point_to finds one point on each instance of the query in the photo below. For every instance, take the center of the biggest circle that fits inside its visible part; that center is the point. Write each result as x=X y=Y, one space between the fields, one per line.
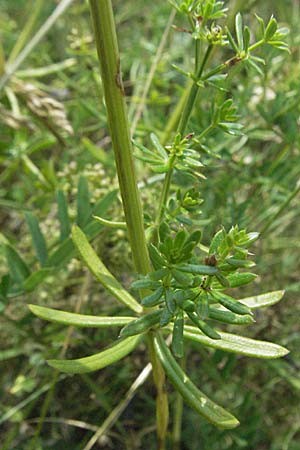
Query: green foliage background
x=252 y=180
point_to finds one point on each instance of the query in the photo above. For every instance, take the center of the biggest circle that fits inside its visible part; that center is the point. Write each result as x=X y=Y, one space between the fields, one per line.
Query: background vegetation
x=55 y=147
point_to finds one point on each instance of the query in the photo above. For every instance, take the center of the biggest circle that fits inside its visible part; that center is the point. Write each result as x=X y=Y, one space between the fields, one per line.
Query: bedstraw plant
x=183 y=288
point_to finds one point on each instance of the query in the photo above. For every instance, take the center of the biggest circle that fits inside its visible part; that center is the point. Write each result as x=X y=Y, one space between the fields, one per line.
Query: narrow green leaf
x=177 y=336
x=231 y=303
x=36 y=278
x=63 y=216
x=180 y=239
x=222 y=280
x=240 y=279
x=102 y=274
x=203 y=326
x=230 y=317
x=18 y=268
x=216 y=241
x=4 y=285
x=78 y=320
x=271 y=29
x=38 y=239
x=97 y=361
x=153 y=299
x=157 y=260
x=190 y=393
x=239 y=30
x=145 y=283
x=65 y=251
x=198 y=269
x=247 y=37
x=237 y=344
x=166 y=316
x=251 y=63
x=83 y=202
x=142 y=324
x=261 y=25
x=180 y=277
x=231 y=42
x=158 y=146
x=263 y=300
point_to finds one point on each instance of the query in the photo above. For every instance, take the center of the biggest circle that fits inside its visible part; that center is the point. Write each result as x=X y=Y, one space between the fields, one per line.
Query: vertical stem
x=108 y=54
x=178 y=411
x=2 y=60
x=193 y=94
x=162 y=404
x=186 y=113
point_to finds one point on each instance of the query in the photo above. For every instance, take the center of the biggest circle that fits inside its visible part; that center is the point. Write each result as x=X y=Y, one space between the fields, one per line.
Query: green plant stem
x=2 y=60
x=186 y=113
x=193 y=94
x=162 y=404
x=178 y=411
x=108 y=54
x=256 y=45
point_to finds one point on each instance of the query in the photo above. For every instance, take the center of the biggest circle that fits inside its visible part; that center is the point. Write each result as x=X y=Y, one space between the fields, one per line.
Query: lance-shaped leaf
x=83 y=202
x=63 y=215
x=198 y=269
x=239 y=30
x=97 y=361
x=237 y=344
x=78 y=320
x=102 y=274
x=65 y=251
x=263 y=300
x=38 y=239
x=17 y=266
x=190 y=393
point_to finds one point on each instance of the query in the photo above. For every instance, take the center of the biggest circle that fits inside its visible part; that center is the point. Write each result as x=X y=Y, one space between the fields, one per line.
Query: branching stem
x=187 y=110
